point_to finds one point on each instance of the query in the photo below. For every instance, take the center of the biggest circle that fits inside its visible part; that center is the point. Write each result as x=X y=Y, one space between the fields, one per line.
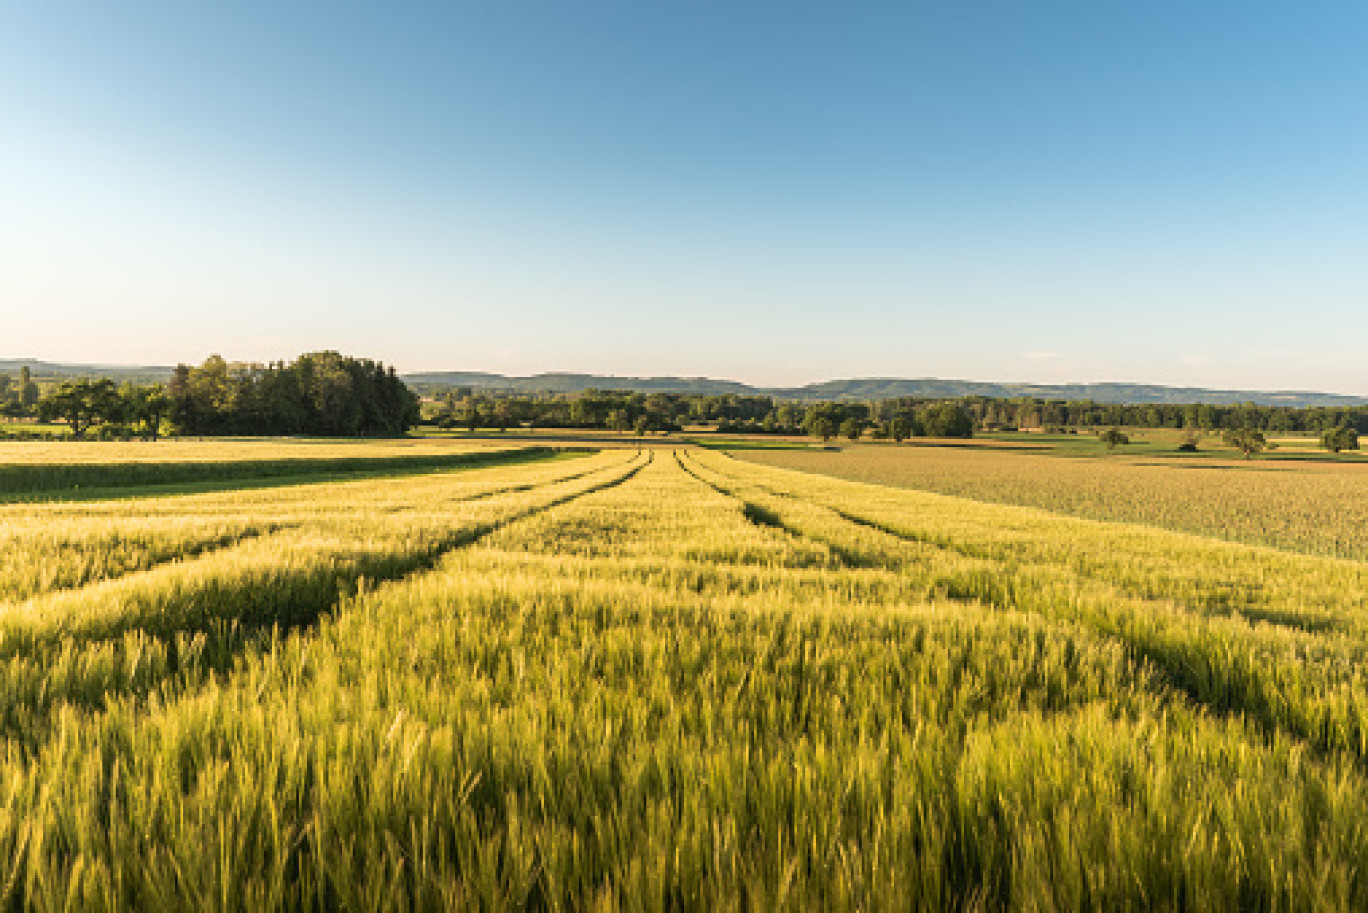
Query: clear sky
x=1170 y=192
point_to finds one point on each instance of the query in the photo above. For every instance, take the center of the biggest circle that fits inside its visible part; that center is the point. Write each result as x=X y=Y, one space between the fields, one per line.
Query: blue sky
x=772 y=192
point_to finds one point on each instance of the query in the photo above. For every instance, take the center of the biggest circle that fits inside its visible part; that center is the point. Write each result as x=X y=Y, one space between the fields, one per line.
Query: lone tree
x=1341 y=437
x=1248 y=441
x=822 y=427
x=82 y=403
x=1112 y=437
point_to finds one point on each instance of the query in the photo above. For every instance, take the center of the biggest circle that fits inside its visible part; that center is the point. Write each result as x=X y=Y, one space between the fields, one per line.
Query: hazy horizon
x=759 y=384
x=1058 y=193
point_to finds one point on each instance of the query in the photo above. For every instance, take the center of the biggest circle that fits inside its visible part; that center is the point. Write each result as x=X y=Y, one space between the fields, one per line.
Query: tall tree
x=28 y=390
x=1248 y=441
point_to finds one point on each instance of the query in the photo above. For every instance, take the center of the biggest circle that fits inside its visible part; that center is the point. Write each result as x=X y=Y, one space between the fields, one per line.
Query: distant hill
x=574 y=383
x=47 y=370
x=864 y=388
x=881 y=388
x=887 y=388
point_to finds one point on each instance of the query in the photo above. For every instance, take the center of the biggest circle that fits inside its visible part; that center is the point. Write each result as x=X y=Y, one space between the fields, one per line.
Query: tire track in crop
x=1218 y=662
x=368 y=564
x=133 y=657
x=207 y=645
x=497 y=492
x=758 y=515
x=193 y=548
x=1216 y=601
x=153 y=559
x=515 y=489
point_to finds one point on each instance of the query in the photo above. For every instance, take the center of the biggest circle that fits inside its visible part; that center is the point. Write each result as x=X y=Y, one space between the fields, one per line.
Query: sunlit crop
x=1311 y=507
x=669 y=680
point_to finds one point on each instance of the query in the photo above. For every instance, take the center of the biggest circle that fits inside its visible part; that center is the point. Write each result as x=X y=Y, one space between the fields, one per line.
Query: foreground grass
x=1314 y=507
x=664 y=681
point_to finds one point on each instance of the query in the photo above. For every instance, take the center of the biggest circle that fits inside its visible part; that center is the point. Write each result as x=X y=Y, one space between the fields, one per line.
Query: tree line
x=624 y=410
x=618 y=410
x=325 y=393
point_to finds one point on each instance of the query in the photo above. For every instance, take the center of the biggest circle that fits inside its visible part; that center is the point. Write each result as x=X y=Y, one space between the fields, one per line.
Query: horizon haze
x=847 y=388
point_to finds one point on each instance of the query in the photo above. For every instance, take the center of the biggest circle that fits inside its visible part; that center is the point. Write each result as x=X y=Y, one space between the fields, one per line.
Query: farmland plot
x=671 y=680
x=1318 y=508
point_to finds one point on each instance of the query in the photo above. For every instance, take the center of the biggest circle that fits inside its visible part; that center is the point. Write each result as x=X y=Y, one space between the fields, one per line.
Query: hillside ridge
x=883 y=388
x=860 y=388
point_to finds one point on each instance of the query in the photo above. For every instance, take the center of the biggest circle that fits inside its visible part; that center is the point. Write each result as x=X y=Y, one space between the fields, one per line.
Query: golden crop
x=651 y=680
x=1310 y=507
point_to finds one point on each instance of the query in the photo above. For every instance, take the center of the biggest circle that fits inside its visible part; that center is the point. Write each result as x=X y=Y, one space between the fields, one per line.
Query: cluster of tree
x=1113 y=438
x=18 y=395
x=1248 y=440
x=322 y=393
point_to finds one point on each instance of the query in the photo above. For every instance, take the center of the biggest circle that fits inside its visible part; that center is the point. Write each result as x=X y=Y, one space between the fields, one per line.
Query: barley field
x=1313 y=507
x=668 y=679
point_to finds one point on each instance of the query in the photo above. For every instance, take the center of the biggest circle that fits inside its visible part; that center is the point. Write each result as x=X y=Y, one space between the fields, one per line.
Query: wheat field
x=668 y=679
x=1309 y=506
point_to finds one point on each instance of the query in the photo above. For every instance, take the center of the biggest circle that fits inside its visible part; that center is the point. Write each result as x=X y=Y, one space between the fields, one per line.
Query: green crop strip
x=85 y=481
